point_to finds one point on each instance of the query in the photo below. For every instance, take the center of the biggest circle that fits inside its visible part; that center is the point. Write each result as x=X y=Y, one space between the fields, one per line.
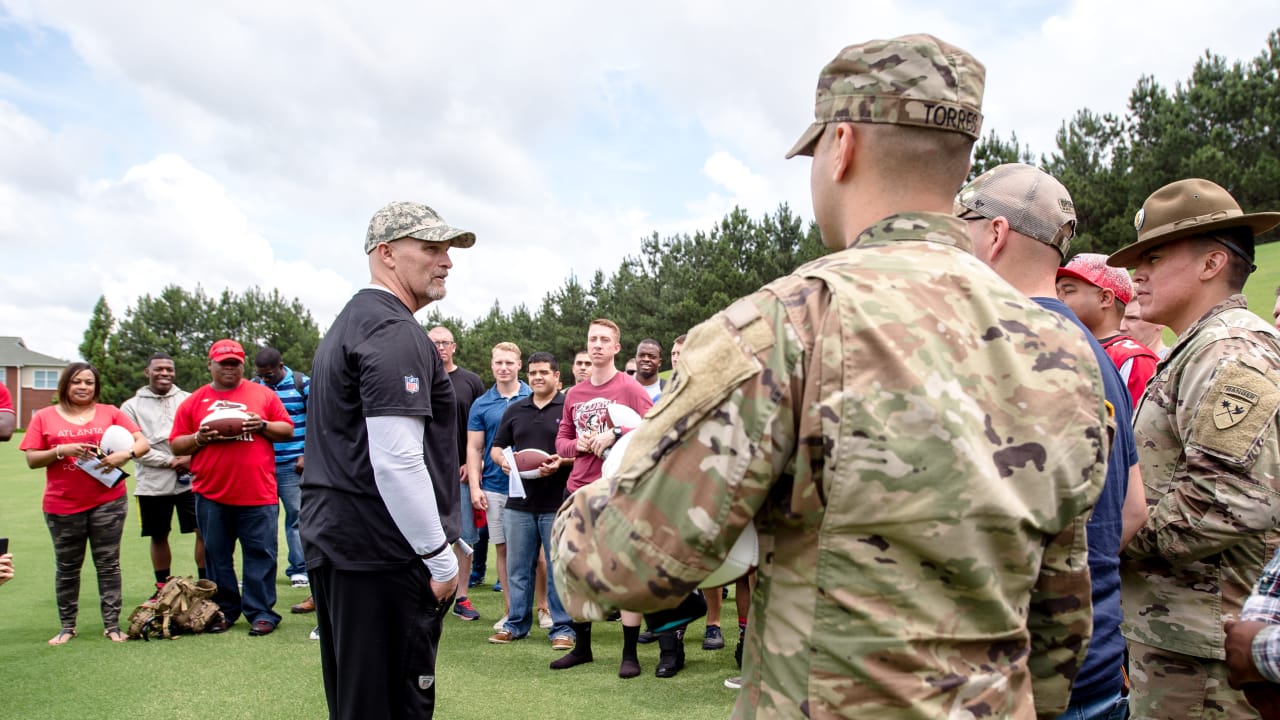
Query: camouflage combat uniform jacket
x=918 y=445
x=1207 y=446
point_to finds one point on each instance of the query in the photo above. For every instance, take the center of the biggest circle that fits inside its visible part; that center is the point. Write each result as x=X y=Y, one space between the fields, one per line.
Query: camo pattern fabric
x=916 y=80
x=1172 y=686
x=400 y=220
x=918 y=445
x=1206 y=432
x=101 y=528
x=181 y=606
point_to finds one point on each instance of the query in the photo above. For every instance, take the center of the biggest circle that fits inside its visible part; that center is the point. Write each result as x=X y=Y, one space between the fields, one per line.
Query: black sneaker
x=713 y=639
x=646 y=637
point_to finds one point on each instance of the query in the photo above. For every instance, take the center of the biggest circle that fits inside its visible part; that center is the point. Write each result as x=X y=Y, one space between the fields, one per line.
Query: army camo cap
x=1032 y=200
x=915 y=80
x=413 y=220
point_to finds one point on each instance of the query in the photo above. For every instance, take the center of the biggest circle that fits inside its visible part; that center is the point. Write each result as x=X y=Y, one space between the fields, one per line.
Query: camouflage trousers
x=102 y=527
x=1171 y=685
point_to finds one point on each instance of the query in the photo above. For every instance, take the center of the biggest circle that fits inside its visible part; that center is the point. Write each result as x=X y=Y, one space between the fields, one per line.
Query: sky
x=239 y=144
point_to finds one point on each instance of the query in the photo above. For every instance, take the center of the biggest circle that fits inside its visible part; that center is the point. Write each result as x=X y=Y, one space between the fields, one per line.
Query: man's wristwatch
x=617 y=433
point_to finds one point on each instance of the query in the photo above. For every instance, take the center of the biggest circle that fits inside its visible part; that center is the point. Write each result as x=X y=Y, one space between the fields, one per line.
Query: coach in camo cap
x=879 y=415
x=381 y=507
x=413 y=220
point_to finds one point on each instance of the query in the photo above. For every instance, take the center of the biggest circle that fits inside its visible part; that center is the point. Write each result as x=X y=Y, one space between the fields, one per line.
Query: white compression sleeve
x=400 y=471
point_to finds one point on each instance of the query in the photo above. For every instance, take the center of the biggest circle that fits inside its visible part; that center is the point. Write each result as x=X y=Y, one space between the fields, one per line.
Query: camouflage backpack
x=181 y=606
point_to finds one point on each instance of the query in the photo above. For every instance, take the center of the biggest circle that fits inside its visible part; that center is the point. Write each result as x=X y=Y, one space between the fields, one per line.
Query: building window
x=4 y=376
x=46 y=380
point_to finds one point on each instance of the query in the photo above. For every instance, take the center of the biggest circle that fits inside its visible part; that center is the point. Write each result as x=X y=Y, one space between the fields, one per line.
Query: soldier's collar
x=941 y=228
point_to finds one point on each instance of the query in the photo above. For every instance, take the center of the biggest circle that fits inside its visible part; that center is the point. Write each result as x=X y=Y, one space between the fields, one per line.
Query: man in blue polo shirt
x=488 y=483
x=293 y=389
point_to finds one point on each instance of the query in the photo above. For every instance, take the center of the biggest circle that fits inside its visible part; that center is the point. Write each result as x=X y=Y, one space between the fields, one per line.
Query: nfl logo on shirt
x=411 y=384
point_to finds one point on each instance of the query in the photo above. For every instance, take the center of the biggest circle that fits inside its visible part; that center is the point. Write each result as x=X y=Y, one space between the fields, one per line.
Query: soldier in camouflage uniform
x=917 y=443
x=1208 y=448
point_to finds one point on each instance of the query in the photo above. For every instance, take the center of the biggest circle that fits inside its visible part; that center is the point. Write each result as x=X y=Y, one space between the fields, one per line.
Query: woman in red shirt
x=79 y=507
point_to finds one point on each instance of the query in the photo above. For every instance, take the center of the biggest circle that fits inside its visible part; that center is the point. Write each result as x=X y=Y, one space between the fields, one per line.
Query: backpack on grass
x=181 y=606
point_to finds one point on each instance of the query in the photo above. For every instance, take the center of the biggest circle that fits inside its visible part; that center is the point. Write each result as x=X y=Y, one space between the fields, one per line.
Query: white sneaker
x=544 y=619
x=315 y=633
x=299 y=580
x=733 y=683
x=499 y=625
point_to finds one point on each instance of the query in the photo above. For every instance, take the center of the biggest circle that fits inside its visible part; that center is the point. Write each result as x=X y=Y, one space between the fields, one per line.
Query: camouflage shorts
x=1171 y=685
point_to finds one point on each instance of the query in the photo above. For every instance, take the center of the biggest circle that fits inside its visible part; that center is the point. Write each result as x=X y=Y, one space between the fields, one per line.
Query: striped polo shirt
x=295 y=403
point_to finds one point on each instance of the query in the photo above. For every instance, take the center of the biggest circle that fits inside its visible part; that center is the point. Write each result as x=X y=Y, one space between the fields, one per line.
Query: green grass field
x=235 y=676
x=1261 y=287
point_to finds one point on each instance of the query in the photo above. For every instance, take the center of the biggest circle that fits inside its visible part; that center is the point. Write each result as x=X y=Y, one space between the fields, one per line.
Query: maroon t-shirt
x=586 y=412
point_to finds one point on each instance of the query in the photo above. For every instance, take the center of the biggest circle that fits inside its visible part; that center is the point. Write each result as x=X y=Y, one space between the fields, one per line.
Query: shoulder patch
x=712 y=364
x=1235 y=412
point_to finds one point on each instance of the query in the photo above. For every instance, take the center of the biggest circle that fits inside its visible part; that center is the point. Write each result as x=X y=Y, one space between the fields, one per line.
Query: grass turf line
x=234 y=676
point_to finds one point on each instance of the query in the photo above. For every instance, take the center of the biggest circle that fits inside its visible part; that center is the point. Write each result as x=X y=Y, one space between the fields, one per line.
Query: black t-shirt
x=467 y=386
x=375 y=361
x=525 y=426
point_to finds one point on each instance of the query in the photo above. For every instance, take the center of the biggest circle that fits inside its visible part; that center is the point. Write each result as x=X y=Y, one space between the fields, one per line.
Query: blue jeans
x=524 y=531
x=1111 y=707
x=468 y=533
x=255 y=527
x=291 y=498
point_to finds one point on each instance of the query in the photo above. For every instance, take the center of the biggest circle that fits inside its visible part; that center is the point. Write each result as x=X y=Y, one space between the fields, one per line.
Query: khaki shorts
x=497 y=501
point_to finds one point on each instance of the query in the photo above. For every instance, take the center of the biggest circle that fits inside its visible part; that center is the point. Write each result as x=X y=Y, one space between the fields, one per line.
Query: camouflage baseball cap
x=1032 y=200
x=910 y=80
x=413 y=220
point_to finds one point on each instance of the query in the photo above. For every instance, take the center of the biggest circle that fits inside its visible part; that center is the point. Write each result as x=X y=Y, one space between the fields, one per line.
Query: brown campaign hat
x=1188 y=208
x=910 y=80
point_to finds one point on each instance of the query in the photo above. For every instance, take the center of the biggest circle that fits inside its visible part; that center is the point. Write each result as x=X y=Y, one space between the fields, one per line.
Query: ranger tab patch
x=1233 y=404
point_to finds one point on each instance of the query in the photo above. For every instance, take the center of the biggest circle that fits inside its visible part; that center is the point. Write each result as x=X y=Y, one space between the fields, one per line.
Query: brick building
x=31 y=377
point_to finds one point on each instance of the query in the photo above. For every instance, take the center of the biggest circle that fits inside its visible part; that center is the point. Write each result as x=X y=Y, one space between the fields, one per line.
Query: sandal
x=114 y=635
x=63 y=637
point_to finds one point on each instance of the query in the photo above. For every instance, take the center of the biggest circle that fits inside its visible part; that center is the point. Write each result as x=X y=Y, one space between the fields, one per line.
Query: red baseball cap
x=226 y=350
x=1093 y=269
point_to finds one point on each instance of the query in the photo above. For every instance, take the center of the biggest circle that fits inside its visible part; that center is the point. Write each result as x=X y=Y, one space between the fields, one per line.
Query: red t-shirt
x=586 y=409
x=6 y=400
x=1122 y=349
x=67 y=488
x=233 y=472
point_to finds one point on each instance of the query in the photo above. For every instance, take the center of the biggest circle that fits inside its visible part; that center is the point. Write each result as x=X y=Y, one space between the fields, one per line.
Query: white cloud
x=238 y=143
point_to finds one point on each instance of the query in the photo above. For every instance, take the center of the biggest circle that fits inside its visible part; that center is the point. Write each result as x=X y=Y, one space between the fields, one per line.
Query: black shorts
x=157 y=513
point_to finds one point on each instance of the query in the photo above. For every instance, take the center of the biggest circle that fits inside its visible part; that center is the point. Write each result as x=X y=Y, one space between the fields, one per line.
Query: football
x=744 y=555
x=114 y=439
x=528 y=462
x=613 y=460
x=227 y=422
x=622 y=416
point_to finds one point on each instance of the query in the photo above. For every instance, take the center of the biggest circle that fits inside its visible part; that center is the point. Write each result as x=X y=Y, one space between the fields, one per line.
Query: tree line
x=1222 y=123
x=184 y=324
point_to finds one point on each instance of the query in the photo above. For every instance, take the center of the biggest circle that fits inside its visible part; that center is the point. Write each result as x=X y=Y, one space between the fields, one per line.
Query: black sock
x=162 y=575
x=201 y=574
x=582 y=638
x=630 y=638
